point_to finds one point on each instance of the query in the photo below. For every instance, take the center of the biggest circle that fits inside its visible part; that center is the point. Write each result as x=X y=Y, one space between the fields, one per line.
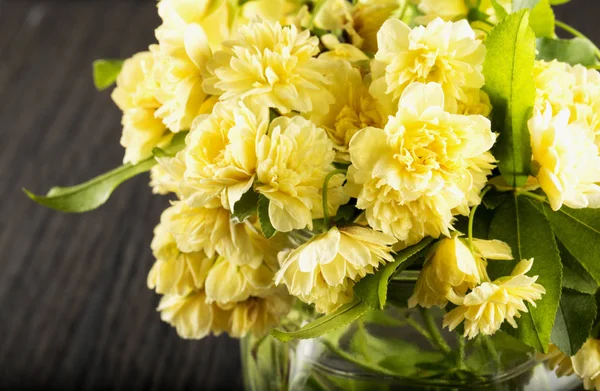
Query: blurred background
x=75 y=312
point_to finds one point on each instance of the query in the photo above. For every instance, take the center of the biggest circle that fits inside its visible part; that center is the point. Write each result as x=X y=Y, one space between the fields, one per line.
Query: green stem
x=472 y=218
x=348 y=357
x=433 y=331
x=532 y=195
x=579 y=34
x=489 y=345
x=460 y=353
x=325 y=189
x=421 y=330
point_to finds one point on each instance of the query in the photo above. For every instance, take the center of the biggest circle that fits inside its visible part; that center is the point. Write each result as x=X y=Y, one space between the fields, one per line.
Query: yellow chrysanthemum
x=211 y=230
x=332 y=14
x=228 y=282
x=447 y=53
x=257 y=314
x=162 y=182
x=490 y=304
x=451 y=269
x=424 y=167
x=176 y=272
x=557 y=361
x=452 y=10
x=568 y=159
x=190 y=29
x=282 y=11
x=135 y=95
x=272 y=66
x=220 y=155
x=340 y=51
x=586 y=364
x=192 y=315
x=293 y=160
x=354 y=109
x=576 y=88
x=323 y=270
x=367 y=18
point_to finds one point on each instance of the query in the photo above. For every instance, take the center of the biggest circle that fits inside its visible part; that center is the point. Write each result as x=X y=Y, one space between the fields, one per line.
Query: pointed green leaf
x=542 y=20
x=106 y=72
x=572 y=51
x=501 y=12
x=508 y=71
x=95 y=192
x=574 y=320
x=373 y=288
x=263 y=217
x=245 y=207
x=574 y=275
x=523 y=226
x=579 y=231
x=341 y=317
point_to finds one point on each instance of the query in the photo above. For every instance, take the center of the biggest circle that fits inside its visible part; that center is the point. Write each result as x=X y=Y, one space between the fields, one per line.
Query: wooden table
x=75 y=312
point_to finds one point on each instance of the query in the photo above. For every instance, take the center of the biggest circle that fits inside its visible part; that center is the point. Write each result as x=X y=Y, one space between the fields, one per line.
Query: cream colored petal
x=493 y=249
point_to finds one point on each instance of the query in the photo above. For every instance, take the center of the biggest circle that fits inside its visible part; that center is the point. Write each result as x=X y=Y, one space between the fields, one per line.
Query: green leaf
x=542 y=20
x=373 y=288
x=559 y=2
x=508 y=71
x=245 y=207
x=339 y=318
x=95 y=192
x=524 y=227
x=263 y=217
x=579 y=231
x=501 y=12
x=574 y=320
x=574 y=275
x=106 y=72
x=573 y=51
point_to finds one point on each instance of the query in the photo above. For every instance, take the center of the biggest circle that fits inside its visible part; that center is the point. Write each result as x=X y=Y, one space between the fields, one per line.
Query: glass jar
x=395 y=349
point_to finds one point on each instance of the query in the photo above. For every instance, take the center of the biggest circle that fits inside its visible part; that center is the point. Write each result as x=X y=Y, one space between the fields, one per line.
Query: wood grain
x=75 y=312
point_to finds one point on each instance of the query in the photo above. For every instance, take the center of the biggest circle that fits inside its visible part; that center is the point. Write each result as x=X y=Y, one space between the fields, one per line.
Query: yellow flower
x=189 y=30
x=452 y=10
x=487 y=306
x=448 y=10
x=443 y=52
x=270 y=10
x=228 y=282
x=354 y=109
x=176 y=272
x=367 y=18
x=323 y=270
x=586 y=364
x=340 y=51
x=557 y=361
x=568 y=159
x=135 y=95
x=192 y=316
x=162 y=182
x=570 y=87
x=211 y=230
x=424 y=167
x=451 y=269
x=257 y=314
x=220 y=155
x=332 y=14
x=272 y=66
x=293 y=160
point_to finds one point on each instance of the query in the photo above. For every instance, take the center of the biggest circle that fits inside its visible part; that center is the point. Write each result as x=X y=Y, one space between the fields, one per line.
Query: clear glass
x=395 y=349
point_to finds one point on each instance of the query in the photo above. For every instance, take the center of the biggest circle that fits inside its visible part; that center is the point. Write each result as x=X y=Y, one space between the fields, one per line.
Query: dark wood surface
x=75 y=312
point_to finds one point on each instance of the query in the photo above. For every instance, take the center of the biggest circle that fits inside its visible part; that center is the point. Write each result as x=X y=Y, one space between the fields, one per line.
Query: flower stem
x=579 y=34
x=472 y=218
x=532 y=195
x=489 y=346
x=348 y=357
x=460 y=353
x=421 y=330
x=434 y=332
x=325 y=189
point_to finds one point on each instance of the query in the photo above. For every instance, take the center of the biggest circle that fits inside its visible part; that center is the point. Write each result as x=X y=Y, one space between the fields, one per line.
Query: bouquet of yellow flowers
x=314 y=149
